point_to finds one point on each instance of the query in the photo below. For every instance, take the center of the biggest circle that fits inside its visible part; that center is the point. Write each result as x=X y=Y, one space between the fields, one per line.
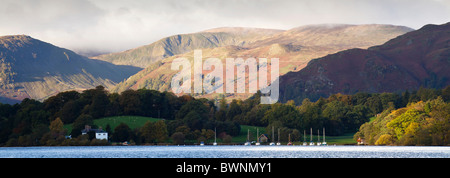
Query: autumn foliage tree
x=419 y=123
x=154 y=132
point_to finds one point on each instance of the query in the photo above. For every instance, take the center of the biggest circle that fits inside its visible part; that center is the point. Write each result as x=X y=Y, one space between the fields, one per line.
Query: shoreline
x=219 y=145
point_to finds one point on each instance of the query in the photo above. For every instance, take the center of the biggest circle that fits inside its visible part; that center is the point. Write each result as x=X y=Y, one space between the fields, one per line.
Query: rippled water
x=227 y=152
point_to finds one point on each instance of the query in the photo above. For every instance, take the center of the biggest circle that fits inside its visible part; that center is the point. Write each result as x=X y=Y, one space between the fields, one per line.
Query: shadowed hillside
x=418 y=58
x=30 y=68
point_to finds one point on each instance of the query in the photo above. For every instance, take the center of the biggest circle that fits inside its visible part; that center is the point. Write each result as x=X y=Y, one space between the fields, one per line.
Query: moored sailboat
x=273 y=137
x=278 y=143
x=248 y=138
x=324 y=142
x=257 y=137
x=311 y=143
x=318 y=138
x=304 y=138
x=289 y=143
x=215 y=137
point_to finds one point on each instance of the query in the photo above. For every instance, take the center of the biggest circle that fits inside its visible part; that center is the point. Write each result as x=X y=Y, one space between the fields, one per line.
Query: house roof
x=95 y=130
x=87 y=128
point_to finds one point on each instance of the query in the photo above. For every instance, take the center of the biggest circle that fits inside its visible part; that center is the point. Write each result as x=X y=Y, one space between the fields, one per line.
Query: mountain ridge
x=181 y=43
x=250 y=38
x=70 y=71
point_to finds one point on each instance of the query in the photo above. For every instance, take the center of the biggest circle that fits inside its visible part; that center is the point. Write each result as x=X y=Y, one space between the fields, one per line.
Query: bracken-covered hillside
x=418 y=58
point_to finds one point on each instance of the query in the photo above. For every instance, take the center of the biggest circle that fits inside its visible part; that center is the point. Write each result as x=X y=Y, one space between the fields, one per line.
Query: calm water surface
x=227 y=152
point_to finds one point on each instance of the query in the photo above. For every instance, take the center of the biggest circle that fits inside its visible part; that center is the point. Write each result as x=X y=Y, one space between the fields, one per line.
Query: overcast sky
x=116 y=25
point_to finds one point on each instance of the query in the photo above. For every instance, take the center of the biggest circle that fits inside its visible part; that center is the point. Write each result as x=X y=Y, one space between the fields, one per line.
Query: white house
x=99 y=133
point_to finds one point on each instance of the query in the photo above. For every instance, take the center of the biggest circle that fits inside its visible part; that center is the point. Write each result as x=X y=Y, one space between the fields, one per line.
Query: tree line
x=32 y=122
x=29 y=123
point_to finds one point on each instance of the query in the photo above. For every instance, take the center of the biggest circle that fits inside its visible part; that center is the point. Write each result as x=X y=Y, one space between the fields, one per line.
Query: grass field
x=131 y=121
x=346 y=139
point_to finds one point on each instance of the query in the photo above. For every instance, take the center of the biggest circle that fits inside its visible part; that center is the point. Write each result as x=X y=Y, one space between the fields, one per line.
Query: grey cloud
x=115 y=25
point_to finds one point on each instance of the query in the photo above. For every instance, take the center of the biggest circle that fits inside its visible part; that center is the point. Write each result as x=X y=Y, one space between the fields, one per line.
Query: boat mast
x=324 y=135
x=248 y=135
x=318 y=137
x=257 y=135
x=215 y=136
x=278 y=135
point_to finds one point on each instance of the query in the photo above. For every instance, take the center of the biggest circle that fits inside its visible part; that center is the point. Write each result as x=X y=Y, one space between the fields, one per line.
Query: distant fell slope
x=340 y=36
x=330 y=37
x=418 y=58
x=30 y=68
x=182 y=43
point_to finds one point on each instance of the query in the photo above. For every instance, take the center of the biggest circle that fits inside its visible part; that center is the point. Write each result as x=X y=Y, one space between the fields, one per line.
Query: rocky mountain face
x=30 y=68
x=415 y=59
x=294 y=48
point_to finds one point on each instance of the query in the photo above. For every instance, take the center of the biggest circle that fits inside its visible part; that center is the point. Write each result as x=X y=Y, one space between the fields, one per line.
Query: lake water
x=227 y=152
